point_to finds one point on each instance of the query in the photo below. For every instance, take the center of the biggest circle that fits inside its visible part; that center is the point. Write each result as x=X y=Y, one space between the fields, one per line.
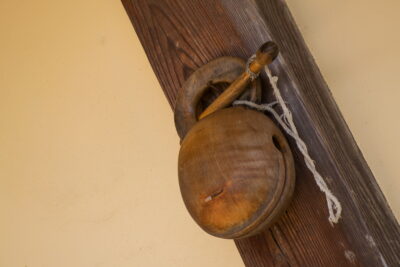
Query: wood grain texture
x=180 y=36
x=236 y=172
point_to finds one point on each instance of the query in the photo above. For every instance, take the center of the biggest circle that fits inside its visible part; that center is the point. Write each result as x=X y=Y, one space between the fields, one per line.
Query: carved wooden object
x=265 y=55
x=236 y=170
x=204 y=85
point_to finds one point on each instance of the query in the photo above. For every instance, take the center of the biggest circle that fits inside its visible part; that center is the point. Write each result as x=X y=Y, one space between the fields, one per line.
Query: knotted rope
x=286 y=121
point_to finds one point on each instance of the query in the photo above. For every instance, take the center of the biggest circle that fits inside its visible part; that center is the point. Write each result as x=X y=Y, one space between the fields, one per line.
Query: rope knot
x=287 y=123
x=252 y=75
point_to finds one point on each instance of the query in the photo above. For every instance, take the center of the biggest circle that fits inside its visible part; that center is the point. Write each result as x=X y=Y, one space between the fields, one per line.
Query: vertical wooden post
x=180 y=35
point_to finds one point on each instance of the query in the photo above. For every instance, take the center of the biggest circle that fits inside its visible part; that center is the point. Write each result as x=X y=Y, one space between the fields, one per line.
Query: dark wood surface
x=179 y=36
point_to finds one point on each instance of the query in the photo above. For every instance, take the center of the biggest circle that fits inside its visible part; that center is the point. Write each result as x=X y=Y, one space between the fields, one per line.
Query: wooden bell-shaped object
x=235 y=167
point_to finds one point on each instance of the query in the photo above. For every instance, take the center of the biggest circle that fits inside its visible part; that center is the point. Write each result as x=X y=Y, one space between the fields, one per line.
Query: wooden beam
x=179 y=36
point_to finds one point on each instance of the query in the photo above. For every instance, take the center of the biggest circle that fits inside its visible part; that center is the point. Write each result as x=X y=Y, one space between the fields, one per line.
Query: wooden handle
x=264 y=55
x=223 y=70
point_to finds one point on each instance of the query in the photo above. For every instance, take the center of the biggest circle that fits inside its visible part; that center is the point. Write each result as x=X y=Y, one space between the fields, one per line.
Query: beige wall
x=88 y=147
